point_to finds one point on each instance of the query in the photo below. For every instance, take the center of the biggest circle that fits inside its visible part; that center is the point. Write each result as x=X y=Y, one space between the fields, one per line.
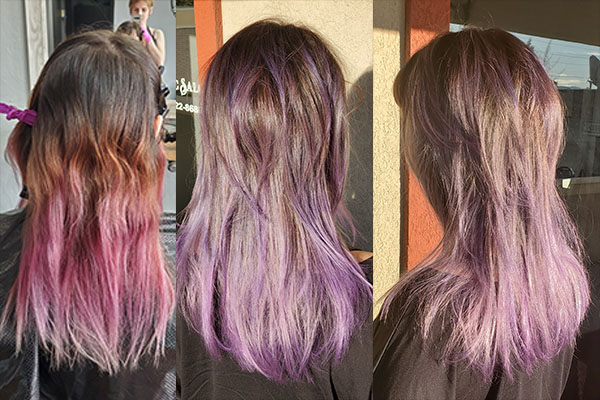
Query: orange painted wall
x=421 y=231
x=209 y=31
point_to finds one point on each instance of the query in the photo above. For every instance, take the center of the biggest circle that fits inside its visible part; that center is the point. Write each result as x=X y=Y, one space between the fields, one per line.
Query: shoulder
x=365 y=260
x=401 y=315
x=158 y=33
x=11 y=225
x=407 y=367
x=395 y=328
x=352 y=376
x=11 y=231
x=547 y=380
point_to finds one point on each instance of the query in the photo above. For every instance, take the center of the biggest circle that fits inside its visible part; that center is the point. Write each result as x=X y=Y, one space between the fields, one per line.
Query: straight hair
x=262 y=272
x=483 y=131
x=92 y=282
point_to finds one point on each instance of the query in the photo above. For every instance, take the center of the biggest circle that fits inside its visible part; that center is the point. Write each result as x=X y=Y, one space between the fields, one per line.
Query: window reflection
x=187 y=71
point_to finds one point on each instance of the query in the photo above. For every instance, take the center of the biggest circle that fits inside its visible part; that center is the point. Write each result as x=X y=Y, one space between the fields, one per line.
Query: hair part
x=262 y=272
x=92 y=282
x=483 y=131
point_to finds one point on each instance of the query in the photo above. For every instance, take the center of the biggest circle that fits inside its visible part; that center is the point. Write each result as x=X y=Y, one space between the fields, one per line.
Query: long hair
x=262 y=272
x=92 y=282
x=482 y=131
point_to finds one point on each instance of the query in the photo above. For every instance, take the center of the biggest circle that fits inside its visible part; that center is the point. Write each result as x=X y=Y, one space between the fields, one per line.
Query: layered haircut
x=262 y=272
x=482 y=131
x=92 y=282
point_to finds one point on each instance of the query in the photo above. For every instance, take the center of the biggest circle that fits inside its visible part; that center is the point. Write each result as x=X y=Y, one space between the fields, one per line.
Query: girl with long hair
x=152 y=39
x=272 y=303
x=86 y=289
x=493 y=313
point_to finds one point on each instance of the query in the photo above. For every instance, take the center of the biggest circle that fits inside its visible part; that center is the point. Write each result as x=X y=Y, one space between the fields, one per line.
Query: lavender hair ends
x=262 y=273
x=483 y=136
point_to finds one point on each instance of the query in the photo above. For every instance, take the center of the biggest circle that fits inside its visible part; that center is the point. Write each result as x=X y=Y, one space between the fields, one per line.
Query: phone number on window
x=187 y=107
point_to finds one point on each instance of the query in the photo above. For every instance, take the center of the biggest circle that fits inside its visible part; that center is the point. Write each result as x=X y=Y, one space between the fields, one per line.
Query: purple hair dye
x=262 y=272
x=482 y=131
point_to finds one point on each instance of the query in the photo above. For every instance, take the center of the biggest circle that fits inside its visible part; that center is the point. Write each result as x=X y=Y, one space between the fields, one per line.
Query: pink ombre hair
x=92 y=283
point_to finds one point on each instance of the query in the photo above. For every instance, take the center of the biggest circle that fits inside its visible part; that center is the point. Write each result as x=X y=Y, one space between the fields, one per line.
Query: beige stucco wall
x=388 y=48
x=347 y=25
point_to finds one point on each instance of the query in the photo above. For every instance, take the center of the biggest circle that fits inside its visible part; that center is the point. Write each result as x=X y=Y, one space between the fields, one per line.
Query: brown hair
x=92 y=282
x=128 y=27
x=149 y=2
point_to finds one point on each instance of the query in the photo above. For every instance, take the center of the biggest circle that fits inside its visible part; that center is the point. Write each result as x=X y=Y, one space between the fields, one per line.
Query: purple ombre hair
x=92 y=282
x=262 y=272
x=482 y=131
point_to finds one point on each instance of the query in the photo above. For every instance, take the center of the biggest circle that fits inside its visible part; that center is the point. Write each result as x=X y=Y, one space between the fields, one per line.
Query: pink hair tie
x=26 y=116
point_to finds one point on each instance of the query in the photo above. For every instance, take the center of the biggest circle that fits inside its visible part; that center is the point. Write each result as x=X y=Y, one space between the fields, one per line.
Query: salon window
x=187 y=96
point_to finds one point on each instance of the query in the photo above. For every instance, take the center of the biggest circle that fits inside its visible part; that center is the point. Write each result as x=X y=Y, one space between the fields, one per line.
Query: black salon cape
x=404 y=369
x=199 y=377
x=28 y=375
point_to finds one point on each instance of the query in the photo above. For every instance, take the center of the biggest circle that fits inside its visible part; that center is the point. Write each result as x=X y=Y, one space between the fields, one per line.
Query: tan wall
x=347 y=25
x=388 y=54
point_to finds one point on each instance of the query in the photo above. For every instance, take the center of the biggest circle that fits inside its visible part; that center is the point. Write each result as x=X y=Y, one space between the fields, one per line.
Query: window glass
x=186 y=104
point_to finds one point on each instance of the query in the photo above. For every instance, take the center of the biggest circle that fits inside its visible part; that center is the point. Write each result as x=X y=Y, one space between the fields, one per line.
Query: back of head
x=262 y=271
x=482 y=131
x=92 y=282
x=130 y=28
